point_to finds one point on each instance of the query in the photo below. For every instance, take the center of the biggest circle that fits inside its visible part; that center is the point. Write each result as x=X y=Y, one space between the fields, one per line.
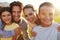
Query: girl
x=6 y=17
x=47 y=30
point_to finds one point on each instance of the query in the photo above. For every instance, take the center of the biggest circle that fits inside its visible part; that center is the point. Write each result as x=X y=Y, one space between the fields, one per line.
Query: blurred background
x=36 y=3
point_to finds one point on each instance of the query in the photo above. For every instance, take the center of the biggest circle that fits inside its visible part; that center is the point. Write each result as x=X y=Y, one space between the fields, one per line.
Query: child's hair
x=46 y=4
x=3 y=10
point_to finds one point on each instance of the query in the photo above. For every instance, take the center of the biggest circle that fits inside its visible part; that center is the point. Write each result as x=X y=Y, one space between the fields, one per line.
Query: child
x=6 y=18
x=47 y=30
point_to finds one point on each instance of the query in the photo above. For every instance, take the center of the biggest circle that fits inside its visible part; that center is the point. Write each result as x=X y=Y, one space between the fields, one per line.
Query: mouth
x=47 y=21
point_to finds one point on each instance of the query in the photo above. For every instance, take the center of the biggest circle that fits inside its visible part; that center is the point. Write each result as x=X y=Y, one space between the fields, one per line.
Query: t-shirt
x=46 y=33
x=8 y=28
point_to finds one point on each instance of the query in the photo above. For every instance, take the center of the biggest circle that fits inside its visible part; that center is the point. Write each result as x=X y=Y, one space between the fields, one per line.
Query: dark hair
x=0 y=10
x=29 y=6
x=16 y=3
x=46 y=4
x=3 y=10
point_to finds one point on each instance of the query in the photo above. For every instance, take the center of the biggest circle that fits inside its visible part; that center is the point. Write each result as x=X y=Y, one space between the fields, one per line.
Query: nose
x=16 y=14
x=47 y=17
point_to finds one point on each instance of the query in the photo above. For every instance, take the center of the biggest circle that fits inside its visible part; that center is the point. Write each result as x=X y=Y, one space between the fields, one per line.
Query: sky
x=36 y=3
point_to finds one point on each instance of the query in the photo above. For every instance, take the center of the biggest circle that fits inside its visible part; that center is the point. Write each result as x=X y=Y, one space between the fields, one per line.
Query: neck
x=9 y=23
x=17 y=21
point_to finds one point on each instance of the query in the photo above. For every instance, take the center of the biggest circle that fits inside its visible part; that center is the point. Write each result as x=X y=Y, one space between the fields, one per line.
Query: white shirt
x=48 y=33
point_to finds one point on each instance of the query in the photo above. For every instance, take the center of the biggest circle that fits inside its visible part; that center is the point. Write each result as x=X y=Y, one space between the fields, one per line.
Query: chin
x=48 y=23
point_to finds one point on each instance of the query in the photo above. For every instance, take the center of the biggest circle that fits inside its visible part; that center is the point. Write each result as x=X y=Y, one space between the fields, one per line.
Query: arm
x=59 y=29
x=17 y=33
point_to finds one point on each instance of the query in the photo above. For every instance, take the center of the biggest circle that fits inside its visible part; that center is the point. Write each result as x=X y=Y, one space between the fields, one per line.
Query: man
x=16 y=8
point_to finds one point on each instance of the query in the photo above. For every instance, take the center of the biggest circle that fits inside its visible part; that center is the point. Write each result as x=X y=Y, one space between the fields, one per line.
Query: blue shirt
x=4 y=33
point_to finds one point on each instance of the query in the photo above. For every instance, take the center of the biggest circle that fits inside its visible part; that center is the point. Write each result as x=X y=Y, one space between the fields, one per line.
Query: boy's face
x=46 y=15
x=29 y=14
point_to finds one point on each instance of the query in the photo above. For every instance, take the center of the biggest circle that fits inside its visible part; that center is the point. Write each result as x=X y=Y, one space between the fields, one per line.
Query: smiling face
x=29 y=15
x=16 y=13
x=46 y=15
x=6 y=17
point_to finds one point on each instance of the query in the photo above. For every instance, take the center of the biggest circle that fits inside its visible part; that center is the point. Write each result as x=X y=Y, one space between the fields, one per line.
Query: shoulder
x=58 y=26
x=55 y=24
x=23 y=22
x=15 y=24
x=36 y=28
x=0 y=22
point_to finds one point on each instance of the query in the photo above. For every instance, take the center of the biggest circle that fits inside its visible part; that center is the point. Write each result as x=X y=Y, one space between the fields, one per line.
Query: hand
x=59 y=29
x=33 y=34
x=17 y=31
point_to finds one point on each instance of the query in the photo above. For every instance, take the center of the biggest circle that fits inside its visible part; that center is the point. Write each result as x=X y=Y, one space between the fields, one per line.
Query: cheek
x=10 y=17
x=51 y=17
x=41 y=17
x=28 y=18
x=13 y=13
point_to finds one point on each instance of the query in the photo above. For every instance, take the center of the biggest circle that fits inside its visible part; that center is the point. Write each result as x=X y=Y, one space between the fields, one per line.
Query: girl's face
x=46 y=15
x=29 y=15
x=6 y=17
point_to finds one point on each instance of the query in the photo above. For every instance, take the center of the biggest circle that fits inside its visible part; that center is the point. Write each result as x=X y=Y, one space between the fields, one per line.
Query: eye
x=13 y=11
x=30 y=13
x=3 y=15
x=18 y=11
x=25 y=15
x=43 y=14
x=9 y=15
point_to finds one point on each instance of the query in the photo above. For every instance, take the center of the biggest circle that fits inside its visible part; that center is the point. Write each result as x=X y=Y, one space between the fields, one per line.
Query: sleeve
x=58 y=37
x=6 y=33
x=0 y=24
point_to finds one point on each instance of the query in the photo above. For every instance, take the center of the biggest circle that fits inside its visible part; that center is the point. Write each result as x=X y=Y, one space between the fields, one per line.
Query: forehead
x=5 y=13
x=15 y=8
x=46 y=9
x=28 y=10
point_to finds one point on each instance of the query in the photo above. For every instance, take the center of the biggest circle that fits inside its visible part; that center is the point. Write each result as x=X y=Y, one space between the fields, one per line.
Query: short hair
x=28 y=6
x=46 y=4
x=16 y=3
